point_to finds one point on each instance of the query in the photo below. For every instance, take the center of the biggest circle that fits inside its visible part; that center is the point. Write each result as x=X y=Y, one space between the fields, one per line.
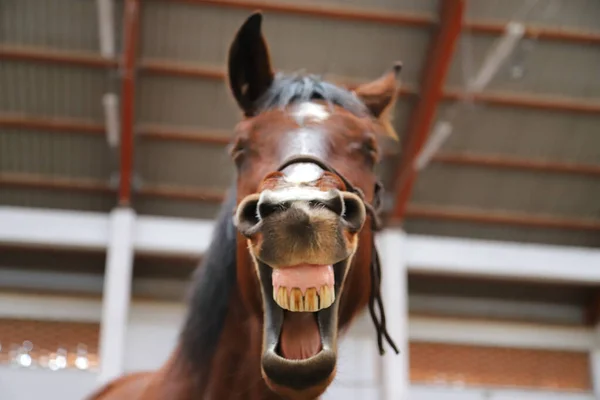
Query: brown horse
x=292 y=259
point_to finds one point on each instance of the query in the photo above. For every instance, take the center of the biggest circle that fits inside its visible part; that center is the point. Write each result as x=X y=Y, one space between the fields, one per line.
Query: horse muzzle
x=302 y=240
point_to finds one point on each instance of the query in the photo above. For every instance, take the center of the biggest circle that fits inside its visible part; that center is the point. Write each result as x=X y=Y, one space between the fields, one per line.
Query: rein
x=373 y=210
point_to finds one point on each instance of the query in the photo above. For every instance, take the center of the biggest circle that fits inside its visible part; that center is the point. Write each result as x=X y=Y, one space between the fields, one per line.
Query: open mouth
x=300 y=331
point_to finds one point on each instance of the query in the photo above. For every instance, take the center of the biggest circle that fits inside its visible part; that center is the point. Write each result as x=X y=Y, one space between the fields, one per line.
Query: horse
x=292 y=259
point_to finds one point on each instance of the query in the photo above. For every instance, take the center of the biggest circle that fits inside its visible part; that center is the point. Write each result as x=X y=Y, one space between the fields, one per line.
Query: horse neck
x=234 y=371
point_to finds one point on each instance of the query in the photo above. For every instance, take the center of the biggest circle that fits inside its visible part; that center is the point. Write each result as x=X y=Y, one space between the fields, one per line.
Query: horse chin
x=304 y=377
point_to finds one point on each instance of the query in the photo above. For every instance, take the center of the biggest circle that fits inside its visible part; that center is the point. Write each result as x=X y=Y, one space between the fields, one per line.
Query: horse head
x=305 y=154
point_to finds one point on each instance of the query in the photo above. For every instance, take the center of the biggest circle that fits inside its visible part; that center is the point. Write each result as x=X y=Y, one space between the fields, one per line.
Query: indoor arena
x=317 y=199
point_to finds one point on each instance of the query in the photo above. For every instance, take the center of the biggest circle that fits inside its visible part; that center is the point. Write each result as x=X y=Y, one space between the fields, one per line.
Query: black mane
x=211 y=288
x=288 y=89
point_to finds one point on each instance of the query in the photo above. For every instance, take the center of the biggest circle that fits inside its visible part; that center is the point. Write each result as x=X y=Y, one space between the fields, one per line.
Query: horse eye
x=237 y=148
x=370 y=147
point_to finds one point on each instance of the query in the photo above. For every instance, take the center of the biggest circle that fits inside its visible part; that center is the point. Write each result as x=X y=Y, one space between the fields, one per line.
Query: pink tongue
x=300 y=338
x=304 y=276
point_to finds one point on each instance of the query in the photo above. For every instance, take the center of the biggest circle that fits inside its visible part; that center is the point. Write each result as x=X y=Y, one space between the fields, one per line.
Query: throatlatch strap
x=375 y=299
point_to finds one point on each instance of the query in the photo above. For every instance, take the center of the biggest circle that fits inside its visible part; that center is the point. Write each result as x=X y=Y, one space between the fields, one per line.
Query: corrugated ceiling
x=197 y=36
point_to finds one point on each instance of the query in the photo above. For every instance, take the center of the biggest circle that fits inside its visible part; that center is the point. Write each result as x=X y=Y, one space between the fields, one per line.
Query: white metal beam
x=77 y=283
x=595 y=363
x=191 y=237
x=106 y=27
x=116 y=294
x=423 y=329
x=463 y=392
x=176 y=236
x=496 y=308
x=49 y=307
x=501 y=334
x=50 y=228
x=475 y=257
x=90 y=230
x=392 y=246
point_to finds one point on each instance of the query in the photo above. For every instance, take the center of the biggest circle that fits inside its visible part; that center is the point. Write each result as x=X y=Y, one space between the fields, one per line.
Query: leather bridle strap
x=375 y=298
x=376 y=223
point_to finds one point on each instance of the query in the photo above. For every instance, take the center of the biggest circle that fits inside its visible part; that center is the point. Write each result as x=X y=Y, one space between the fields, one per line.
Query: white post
x=393 y=249
x=106 y=27
x=116 y=293
x=595 y=363
x=595 y=371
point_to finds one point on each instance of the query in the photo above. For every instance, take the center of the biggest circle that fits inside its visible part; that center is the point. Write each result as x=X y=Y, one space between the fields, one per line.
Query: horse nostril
x=266 y=208
x=335 y=204
x=354 y=211
x=246 y=216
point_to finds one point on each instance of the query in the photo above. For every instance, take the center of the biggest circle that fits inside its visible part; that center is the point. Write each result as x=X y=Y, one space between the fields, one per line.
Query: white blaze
x=304 y=142
x=312 y=111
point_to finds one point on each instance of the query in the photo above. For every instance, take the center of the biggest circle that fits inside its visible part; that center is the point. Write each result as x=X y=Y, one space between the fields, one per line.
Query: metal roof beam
x=191 y=237
x=198 y=194
x=399 y=19
x=515 y=163
x=436 y=69
x=46 y=55
x=128 y=72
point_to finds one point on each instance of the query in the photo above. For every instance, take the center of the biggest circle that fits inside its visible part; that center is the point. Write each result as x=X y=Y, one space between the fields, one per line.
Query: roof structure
x=520 y=161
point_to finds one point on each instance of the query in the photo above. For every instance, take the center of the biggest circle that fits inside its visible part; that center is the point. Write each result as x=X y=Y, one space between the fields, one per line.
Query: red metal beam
x=164 y=67
x=188 y=70
x=505 y=162
x=66 y=125
x=492 y=217
x=536 y=32
x=184 y=135
x=398 y=19
x=505 y=99
x=33 y=181
x=525 y=100
x=223 y=138
x=329 y=12
x=175 y=192
x=131 y=30
x=35 y=54
x=416 y=211
x=437 y=66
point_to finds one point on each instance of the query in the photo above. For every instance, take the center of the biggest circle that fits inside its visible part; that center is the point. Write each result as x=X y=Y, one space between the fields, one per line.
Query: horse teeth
x=296 y=301
x=311 y=301
x=327 y=296
x=282 y=298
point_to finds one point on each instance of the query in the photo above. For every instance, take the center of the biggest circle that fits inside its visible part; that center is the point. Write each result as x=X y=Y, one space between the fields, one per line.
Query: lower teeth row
x=294 y=300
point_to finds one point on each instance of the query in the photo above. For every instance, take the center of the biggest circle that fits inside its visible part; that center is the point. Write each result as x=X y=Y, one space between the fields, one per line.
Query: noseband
x=373 y=211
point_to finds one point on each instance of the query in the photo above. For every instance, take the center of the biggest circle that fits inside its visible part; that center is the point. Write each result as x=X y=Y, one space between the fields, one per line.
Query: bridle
x=376 y=225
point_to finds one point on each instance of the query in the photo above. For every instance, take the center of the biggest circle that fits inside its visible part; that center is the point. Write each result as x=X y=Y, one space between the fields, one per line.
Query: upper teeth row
x=294 y=300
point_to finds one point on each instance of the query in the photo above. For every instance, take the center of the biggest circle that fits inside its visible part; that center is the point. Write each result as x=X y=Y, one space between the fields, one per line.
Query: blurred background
x=114 y=118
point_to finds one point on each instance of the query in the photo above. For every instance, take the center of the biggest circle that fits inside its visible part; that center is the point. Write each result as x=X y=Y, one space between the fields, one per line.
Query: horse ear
x=249 y=64
x=380 y=96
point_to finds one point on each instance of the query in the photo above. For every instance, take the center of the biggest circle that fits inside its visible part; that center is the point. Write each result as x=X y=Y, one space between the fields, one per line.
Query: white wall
x=22 y=384
x=151 y=334
x=433 y=393
x=153 y=329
